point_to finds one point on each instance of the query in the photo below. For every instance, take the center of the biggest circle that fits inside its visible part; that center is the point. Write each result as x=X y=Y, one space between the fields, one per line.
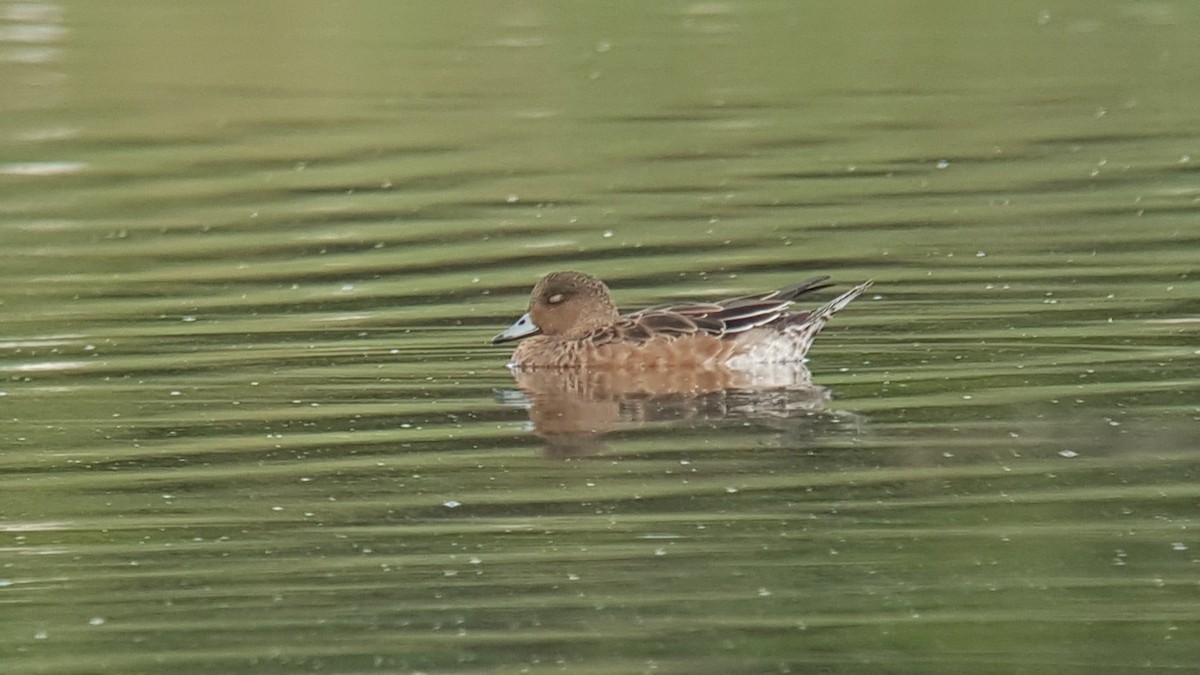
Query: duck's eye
x=556 y=298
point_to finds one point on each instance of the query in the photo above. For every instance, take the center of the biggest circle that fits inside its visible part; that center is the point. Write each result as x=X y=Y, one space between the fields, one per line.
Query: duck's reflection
x=573 y=409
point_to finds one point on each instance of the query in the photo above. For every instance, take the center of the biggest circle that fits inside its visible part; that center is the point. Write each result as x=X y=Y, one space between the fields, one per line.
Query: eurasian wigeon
x=572 y=322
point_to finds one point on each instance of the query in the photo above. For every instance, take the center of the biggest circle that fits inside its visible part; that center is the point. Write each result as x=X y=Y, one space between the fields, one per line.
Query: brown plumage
x=572 y=322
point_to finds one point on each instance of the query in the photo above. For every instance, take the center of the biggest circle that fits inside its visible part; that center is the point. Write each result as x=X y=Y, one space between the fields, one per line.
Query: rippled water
x=253 y=259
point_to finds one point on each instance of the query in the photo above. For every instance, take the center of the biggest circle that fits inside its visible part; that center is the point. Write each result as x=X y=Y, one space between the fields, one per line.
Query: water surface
x=253 y=258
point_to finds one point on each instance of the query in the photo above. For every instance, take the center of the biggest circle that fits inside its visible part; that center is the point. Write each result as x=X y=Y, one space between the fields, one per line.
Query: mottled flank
x=572 y=322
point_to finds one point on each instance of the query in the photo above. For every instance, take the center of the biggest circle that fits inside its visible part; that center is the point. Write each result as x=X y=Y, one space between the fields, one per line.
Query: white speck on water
x=731 y=490
x=41 y=635
x=660 y=551
x=96 y=621
x=981 y=254
x=512 y=199
x=42 y=168
x=1068 y=453
x=475 y=560
x=4 y=583
x=967 y=397
x=176 y=392
x=188 y=319
x=1179 y=546
x=571 y=576
x=452 y=504
x=449 y=573
x=763 y=592
x=942 y=164
x=607 y=234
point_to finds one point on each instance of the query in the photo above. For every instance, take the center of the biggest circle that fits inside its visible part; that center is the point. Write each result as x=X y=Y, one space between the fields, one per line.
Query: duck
x=572 y=322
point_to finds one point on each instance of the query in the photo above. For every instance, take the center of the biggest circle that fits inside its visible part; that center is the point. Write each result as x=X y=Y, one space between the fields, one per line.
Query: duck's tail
x=803 y=327
x=790 y=342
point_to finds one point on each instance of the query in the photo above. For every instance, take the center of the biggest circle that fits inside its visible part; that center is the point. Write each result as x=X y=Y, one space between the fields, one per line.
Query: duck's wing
x=648 y=324
x=721 y=319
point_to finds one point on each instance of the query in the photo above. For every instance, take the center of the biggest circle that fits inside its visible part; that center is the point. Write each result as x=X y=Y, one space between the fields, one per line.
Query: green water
x=253 y=256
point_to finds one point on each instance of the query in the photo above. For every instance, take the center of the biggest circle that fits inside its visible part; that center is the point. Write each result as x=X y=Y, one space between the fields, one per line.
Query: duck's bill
x=524 y=327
